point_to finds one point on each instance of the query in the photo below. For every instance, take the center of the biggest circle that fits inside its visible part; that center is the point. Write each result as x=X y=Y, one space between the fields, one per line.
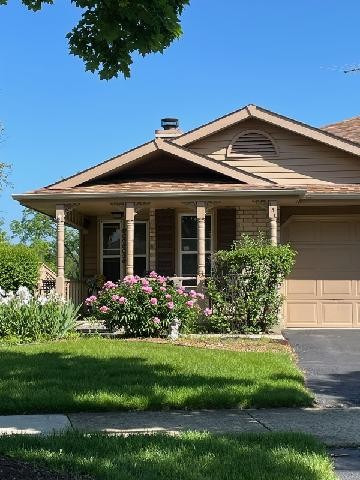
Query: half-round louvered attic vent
x=252 y=144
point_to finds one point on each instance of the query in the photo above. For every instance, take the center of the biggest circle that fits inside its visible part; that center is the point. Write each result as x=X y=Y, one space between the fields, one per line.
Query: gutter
x=333 y=196
x=232 y=193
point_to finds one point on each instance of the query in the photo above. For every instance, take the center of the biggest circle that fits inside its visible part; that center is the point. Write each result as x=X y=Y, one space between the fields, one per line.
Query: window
x=252 y=143
x=140 y=248
x=188 y=245
x=111 y=250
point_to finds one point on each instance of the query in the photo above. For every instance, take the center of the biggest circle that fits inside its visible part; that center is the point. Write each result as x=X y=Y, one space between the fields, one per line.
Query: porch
x=176 y=238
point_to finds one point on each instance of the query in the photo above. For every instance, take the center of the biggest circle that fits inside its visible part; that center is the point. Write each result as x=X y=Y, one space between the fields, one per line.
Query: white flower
x=24 y=295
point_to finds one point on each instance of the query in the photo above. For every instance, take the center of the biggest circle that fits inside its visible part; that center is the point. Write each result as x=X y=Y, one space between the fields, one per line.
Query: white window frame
x=181 y=252
x=102 y=256
x=146 y=255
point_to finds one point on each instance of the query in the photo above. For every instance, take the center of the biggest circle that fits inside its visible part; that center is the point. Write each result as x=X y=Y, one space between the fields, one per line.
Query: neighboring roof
x=117 y=163
x=253 y=111
x=349 y=129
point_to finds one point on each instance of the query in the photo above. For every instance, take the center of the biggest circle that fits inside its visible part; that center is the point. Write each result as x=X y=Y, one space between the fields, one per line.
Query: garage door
x=324 y=288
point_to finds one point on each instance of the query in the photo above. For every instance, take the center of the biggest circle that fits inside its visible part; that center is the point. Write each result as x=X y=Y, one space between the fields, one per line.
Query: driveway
x=331 y=361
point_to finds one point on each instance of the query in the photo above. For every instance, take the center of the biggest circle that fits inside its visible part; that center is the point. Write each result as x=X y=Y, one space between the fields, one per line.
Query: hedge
x=19 y=266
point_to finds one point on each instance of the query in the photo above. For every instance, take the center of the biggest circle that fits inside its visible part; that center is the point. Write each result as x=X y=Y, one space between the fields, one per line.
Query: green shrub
x=144 y=307
x=25 y=318
x=244 y=288
x=19 y=266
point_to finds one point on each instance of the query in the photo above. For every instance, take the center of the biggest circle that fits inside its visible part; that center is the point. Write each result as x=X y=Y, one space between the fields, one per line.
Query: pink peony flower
x=163 y=289
x=114 y=298
x=168 y=296
x=170 y=305
x=147 y=289
x=153 y=301
x=207 y=312
x=130 y=279
x=109 y=285
x=104 y=309
x=122 y=300
x=153 y=275
x=192 y=294
x=161 y=279
x=190 y=303
x=145 y=282
x=180 y=291
x=90 y=300
x=200 y=295
x=156 y=320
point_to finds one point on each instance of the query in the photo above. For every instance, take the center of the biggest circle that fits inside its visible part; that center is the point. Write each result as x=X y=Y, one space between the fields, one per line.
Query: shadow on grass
x=189 y=456
x=53 y=381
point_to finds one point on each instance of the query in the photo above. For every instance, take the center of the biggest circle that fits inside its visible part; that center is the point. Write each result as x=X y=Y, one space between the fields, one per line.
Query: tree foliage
x=109 y=32
x=39 y=231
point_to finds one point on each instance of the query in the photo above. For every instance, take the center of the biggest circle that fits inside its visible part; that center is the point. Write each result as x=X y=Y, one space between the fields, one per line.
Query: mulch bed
x=233 y=344
x=12 y=469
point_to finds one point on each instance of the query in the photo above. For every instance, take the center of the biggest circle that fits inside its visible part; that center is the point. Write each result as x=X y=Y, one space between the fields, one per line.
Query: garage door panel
x=337 y=314
x=302 y=231
x=301 y=287
x=336 y=231
x=302 y=314
x=335 y=288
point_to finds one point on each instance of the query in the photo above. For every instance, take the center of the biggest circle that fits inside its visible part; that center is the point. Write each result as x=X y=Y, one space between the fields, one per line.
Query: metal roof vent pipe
x=169 y=128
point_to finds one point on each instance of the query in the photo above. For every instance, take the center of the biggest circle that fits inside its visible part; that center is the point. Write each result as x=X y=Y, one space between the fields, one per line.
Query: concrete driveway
x=331 y=361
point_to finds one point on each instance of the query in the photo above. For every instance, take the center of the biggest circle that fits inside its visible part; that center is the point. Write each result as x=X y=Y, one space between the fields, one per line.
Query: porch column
x=152 y=239
x=129 y=218
x=60 y=259
x=273 y=215
x=200 y=215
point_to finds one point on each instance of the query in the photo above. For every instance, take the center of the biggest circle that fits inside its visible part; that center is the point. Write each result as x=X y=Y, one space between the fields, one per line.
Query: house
x=168 y=204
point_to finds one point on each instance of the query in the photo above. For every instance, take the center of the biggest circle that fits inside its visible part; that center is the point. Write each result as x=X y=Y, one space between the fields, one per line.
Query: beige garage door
x=324 y=288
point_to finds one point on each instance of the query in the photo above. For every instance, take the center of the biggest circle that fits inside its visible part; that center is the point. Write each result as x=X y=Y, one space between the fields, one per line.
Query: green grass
x=190 y=456
x=99 y=374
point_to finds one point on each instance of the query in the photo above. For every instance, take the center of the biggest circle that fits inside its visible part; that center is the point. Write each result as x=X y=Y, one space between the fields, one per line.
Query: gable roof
x=253 y=111
x=348 y=129
x=121 y=161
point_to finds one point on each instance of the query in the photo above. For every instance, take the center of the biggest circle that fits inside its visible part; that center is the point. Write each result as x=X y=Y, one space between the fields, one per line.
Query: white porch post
x=273 y=215
x=200 y=215
x=129 y=218
x=60 y=230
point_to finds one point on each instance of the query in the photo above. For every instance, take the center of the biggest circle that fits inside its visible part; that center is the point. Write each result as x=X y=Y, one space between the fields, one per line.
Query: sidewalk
x=335 y=427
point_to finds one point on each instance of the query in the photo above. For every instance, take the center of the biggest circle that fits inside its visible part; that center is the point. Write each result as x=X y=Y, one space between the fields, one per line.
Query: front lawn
x=99 y=374
x=189 y=456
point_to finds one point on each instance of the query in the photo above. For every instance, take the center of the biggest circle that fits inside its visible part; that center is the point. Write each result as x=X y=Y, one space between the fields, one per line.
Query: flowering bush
x=25 y=318
x=144 y=307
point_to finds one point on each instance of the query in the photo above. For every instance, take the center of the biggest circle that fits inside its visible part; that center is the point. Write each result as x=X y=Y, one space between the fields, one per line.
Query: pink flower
x=130 y=279
x=104 y=309
x=193 y=294
x=161 y=279
x=190 y=303
x=207 y=312
x=170 y=305
x=114 y=298
x=122 y=300
x=109 y=285
x=147 y=289
x=156 y=320
x=145 y=282
x=153 y=275
x=168 y=296
x=180 y=291
x=90 y=300
x=163 y=289
x=200 y=295
x=153 y=301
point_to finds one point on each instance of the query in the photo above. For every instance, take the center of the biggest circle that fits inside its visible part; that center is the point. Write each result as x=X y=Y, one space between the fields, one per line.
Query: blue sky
x=60 y=119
